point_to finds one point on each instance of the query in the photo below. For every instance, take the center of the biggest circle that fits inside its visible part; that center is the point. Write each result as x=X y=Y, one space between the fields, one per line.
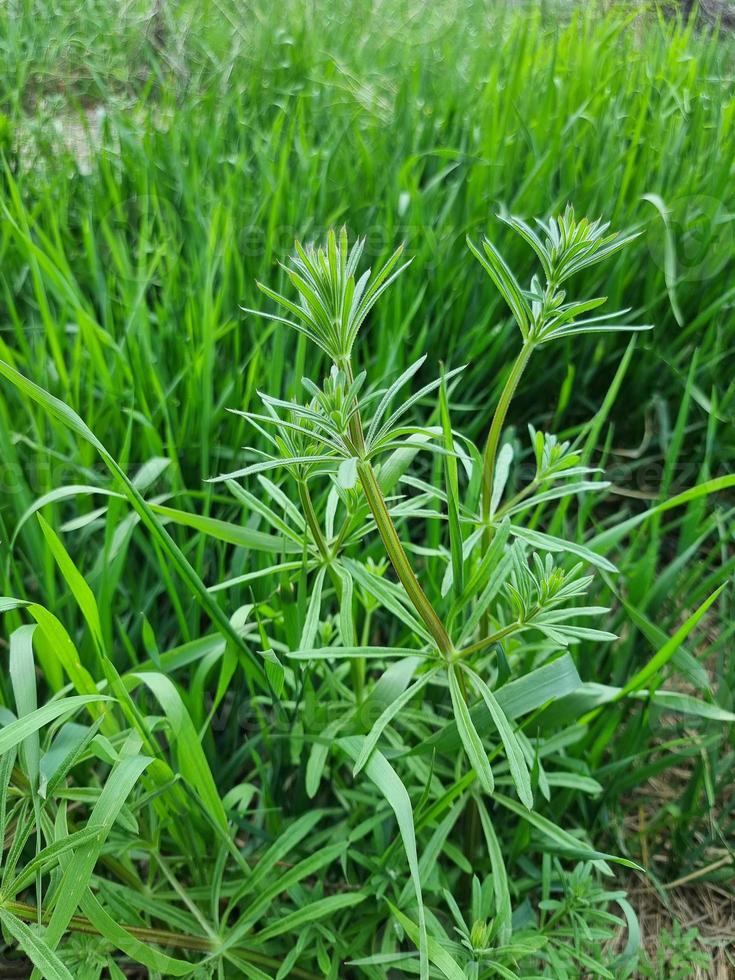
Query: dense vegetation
x=399 y=642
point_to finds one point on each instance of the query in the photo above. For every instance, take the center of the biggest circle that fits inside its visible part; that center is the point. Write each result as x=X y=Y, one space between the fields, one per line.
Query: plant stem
x=357 y=665
x=312 y=520
x=487 y=641
x=491 y=446
x=356 y=433
x=399 y=558
x=389 y=536
x=160 y=937
x=516 y=499
x=496 y=428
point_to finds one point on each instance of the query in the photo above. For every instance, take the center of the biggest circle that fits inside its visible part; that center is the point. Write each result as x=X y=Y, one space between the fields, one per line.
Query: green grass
x=154 y=168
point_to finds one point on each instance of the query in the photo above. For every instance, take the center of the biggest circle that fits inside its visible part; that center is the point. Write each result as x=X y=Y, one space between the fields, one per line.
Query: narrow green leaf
x=56 y=496
x=380 y=772
x=441 y=959
x=390 y=712
x=237 y=534
x=15 y=733
x=116 y=934
x=37 y=951
x=347 y=653
x=301 y=918
x=609 y=538
x=468 y=734
x=23 y=680
x=306 y=868
x=57 y=409
x=501 y=888
x=519 y=697
x=79 y=588
x=513 y=751
x=78 y=872
x=562 y=838
x=318 y=758
x=311 y=622
x=547 y=542
x=192 y=760
x=662 y=657
x=49 y=857
x=346 y=618
x=502 y=469
x=279 y=850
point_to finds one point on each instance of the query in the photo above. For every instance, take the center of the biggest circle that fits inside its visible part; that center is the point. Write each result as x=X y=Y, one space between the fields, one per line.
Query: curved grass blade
x=380 y=772
x=468 y=734
x=513 y=751
x=192 y=761
x=35 y=948
x=438 y=956
x=68 y=417
x=17 y=731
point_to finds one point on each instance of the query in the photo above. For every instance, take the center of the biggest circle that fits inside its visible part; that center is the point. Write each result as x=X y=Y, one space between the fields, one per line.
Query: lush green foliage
x=385 y=686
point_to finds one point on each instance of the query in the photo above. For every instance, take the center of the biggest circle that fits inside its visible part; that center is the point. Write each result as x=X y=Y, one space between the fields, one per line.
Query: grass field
x=334 y=740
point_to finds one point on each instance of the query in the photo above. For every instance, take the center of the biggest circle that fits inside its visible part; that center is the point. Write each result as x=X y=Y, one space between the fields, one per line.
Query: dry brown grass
x=704 y=906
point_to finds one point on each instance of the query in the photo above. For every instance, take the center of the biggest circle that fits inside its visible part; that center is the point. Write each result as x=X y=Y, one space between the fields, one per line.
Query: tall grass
x=155 y=167
x=130 y=279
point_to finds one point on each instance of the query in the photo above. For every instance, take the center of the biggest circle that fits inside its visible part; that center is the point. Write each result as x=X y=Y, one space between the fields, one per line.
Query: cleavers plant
x=348 y=433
